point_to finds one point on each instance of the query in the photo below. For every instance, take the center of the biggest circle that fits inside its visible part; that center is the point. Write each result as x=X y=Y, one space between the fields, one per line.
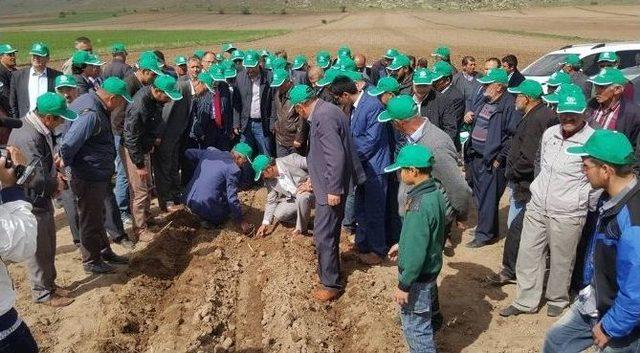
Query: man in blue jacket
x=371 y=140
x=607 y=310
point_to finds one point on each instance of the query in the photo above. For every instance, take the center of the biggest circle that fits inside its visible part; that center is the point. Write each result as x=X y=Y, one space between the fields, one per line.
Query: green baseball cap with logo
x=298 y=62
x=344 y=51
x=181 y=60
x=279 y=77
x=217 y=73
x=278 y=62
x=323 y=59
x=206 y=79
x=65 y=81
x=167 y=84
x=573 y=60
x=39 y=49
x=149 y=62
x=558 y=78
x=497 y=75
x=345 y=64
x=7 y=49
x=401 y=107
x=118 y=87
x=443 y=52
x=259 y=164
x=571 y=102
x=251 y=59
x=198 y=53
x=328 y=77
x=441 y=69
x=50 y=103
x=391 y=53
x=554 y=98
x=608 y=56
x=118 y=48
x=244 y=150
x=412 y=156
x=228 y=47
x=599 y=146
x=268 y=62
x=609 y=76
x=422 y=76
x=237 y=55
x=529 y=88
x=82 y=57
x=385 y=84
x=399 y=62
x=300 y=94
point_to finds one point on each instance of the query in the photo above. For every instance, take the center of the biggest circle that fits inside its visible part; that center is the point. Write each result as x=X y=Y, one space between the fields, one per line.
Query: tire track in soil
x=249 y=311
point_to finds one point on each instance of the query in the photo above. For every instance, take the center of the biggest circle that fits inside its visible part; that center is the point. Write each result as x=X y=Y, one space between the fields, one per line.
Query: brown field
x=191 y=290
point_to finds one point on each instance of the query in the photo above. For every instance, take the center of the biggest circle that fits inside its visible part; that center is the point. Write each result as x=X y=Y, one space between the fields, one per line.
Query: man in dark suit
x=447 y=110
x=29 y=83
x=510 y=64
x=7 y=67
x=118 y=67
x=252 y=105
x=332 y=161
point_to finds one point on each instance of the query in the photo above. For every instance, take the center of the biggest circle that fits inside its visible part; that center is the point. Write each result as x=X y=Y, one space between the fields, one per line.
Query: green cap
x=65 y=81
x=557 y=78
x=412 y=156
x=39 y=49
x=219 y=57
x=251 y=59
x=573 y=60
x=237 y=55
x=401 y=107
x=217 y=73
x=608 y=76
x=118 y=48
x=230 y=72
x=167 y=84
x=118 y=87
x=198 y=53
x=7 y=49
x=279 y=76
x=244 y=150
x=344 y=51
x=268 y=62
x=608 y=56
x=264 y=53
x=328 y=77
x=207 y=79
x=82 y=57
x=391 y=53
x=298 y=62
x=443 y=52
x=529 y=88
x=181 y=60
x=441 y=69
x=399 y=62
x=497 y=75
x=554 y=98
x=228 y=46
x=599 y=145
x=571 y=102
x=345 y=64
x=149 y=62
x=300 y=93
x=422 y=76
x=385 y=84
x=50 y=103
x=278 y=63
x=259 y=164
x=323 y=59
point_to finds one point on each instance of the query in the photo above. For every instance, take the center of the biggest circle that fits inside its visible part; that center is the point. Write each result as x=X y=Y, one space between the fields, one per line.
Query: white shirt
x=37 y=86
x=285 y=182
x=255 y=99
x=417 y=135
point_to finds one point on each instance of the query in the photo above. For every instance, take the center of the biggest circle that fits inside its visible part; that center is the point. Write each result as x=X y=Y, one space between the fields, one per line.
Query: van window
x=628 y=58
x=546 y=65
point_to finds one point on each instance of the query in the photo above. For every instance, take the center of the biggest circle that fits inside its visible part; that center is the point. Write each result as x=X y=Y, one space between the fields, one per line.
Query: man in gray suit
x=332 y=162
x=289 y=198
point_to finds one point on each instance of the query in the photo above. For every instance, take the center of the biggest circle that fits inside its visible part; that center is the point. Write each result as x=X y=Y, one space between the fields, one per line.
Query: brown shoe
x=63 y=292
x=370 y=259
x=58 y=301
x=324 y=295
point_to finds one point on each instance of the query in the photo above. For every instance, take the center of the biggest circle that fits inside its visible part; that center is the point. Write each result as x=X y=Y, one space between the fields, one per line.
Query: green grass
x=61 y=42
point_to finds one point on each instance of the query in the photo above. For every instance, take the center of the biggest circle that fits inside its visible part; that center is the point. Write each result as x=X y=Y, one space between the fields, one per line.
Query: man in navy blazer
x=371 y=141
x=332 y=161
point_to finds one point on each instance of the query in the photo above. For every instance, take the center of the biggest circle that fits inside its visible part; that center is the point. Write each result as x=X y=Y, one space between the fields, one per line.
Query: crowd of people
x=392 y=155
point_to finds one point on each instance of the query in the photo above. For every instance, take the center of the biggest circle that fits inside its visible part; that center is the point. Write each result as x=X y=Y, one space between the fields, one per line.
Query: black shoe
x=501 y=279
x=475 y=243
x=99 y=268
x=511 y=311
x=554 y=311
x=112 y=258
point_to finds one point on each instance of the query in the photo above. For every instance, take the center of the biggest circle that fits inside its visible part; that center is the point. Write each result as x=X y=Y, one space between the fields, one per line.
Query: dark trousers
x=393 y=222
x=488 y=187
x=282 y=151
x=326 y=233
x=19 y=341
x=511 y=245
x=41 y=267
x=93 y=236
x=370 y=210
x=166 y=171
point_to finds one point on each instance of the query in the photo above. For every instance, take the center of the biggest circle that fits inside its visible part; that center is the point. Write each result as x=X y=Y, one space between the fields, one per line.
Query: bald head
x=315 y=73
x=361 y=61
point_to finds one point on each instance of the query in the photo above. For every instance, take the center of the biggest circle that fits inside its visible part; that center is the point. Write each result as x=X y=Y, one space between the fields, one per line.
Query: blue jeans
x=416 y=318
x=514 y=208
x=572 y=334
x=121 y=190
x=349 y=220
x=370 y=209
x=256 y=137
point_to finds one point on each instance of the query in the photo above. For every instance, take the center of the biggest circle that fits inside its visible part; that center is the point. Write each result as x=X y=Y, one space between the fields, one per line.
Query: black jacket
x=142 y=123
x=117 y=68
x=19 y=90
x=525 y=149
x=446 y=112
x=242 y=96
x=516 y=79
x=5 y=78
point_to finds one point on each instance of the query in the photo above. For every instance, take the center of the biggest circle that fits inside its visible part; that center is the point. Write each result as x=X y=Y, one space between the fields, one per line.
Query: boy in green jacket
x=419 y=253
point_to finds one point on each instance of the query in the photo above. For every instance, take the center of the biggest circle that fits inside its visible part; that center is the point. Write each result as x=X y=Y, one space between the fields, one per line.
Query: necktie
x=217 y=109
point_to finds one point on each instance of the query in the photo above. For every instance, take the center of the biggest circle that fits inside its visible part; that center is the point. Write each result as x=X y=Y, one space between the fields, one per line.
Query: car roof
x=585 y=49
